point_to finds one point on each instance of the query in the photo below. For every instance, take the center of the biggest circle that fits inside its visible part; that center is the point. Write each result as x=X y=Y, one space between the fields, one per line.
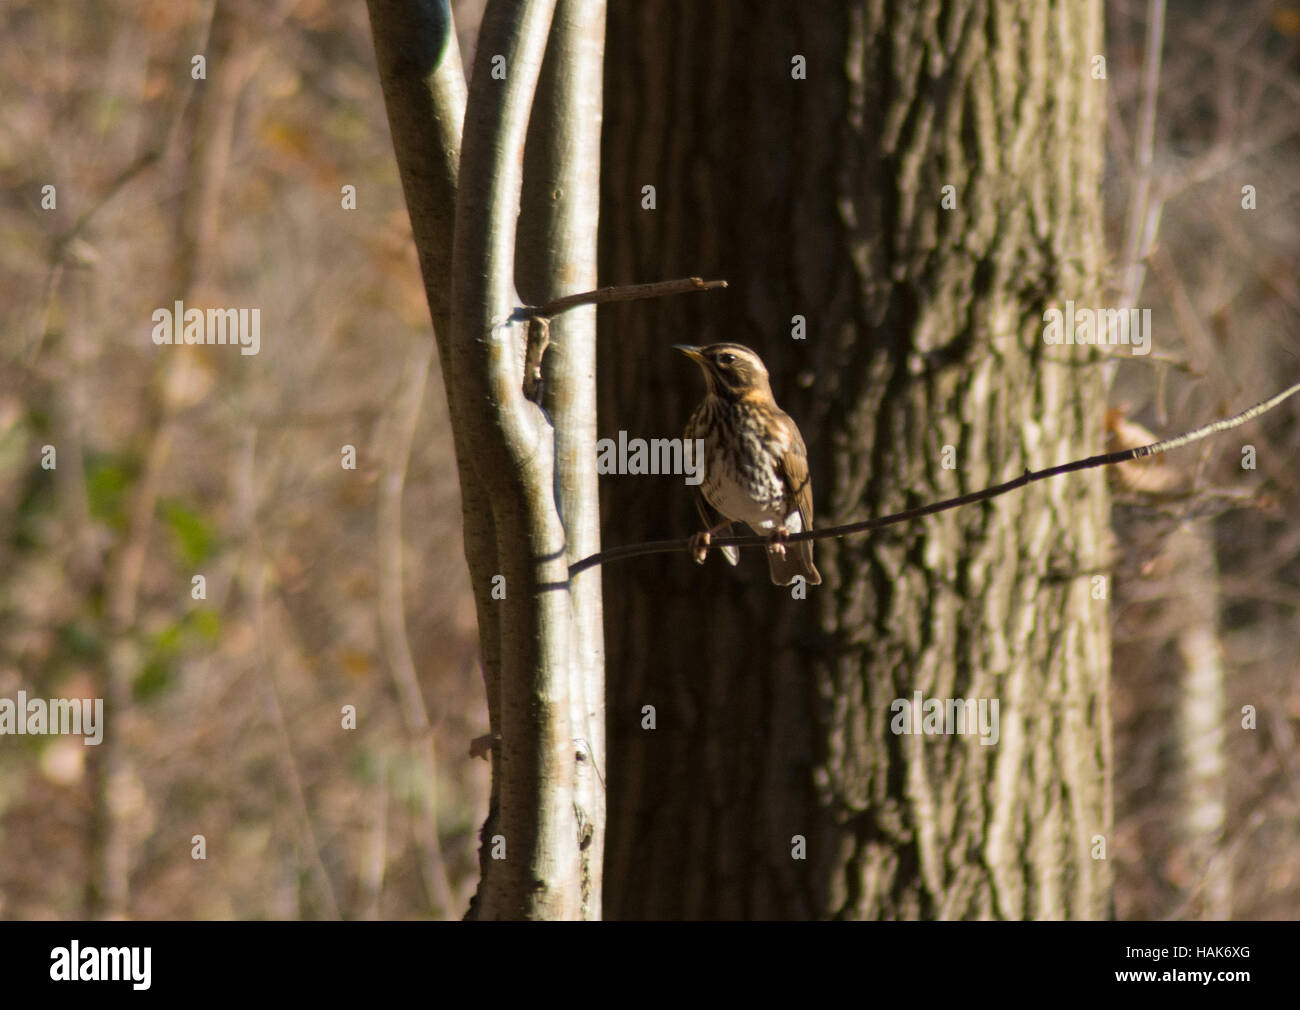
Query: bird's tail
x=798 y=560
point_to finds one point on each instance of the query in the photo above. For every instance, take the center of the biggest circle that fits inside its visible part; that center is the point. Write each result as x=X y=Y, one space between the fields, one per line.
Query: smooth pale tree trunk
x=801 y=152
x=528 y=486
x=556 y=256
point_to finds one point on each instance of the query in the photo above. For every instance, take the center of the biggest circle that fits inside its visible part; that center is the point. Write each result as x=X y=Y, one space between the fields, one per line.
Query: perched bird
x=755 y=462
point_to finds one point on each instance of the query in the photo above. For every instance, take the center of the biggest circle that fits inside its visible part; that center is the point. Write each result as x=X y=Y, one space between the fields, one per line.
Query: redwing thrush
x=755 y=462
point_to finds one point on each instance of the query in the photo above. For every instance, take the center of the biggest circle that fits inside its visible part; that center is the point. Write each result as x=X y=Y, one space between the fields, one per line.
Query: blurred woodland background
x=174 y=462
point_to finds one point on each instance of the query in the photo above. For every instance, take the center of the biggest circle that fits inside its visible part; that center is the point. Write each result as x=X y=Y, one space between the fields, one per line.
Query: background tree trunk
x=820 y=197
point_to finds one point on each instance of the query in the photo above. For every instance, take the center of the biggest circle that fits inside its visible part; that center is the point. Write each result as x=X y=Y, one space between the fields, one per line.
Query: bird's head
x=732 y=371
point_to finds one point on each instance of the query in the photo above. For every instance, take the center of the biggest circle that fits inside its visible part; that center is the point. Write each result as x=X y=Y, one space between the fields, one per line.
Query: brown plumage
x=755 y=462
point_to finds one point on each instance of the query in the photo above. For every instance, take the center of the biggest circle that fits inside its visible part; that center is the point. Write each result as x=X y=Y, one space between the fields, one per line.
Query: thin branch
x=114 y=187
x=616 y=293
x=1144 y=214
x=539 y=317
x=61 y=246
x=398 y=434
x=1028 y=477
x=307 y=840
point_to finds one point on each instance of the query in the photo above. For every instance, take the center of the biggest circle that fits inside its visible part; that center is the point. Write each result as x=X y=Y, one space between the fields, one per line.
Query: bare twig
x=1144 y=213
x=309 y=844
x=539 y=339
x=540 y=316
x=374 y=846
x=1028 y=477
x=399 y=432
x=62 y=244
x=617 y=293
x=115 y=185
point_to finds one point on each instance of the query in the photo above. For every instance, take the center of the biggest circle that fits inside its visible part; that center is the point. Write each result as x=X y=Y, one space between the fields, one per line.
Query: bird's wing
x=794 y=468
x=798 y=558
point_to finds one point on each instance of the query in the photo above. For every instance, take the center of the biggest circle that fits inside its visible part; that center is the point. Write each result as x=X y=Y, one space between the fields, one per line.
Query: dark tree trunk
x=821 y=198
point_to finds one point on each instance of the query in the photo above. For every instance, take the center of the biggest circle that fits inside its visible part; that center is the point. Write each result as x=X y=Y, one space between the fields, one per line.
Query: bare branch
x=1144 y=213
x=1028 y=477
x=391 y=612
x=617 y=293
x=539 y=317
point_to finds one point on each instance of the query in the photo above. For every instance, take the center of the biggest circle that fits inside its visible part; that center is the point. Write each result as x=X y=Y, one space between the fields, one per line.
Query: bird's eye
x=726 y=359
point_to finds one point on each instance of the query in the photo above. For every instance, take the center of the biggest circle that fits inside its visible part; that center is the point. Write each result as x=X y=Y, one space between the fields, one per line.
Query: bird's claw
x=700 y=546
x=777 y=544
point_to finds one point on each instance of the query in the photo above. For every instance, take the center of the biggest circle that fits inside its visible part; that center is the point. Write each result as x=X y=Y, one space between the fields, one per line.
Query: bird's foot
x=700 y=541
x=777 y=544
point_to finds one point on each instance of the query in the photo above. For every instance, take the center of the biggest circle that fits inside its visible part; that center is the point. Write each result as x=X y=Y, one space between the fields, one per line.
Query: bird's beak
x=691 y=352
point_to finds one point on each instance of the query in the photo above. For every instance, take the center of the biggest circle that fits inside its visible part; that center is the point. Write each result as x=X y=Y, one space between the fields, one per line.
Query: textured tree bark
x=1201 y=726
x=821 y=197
